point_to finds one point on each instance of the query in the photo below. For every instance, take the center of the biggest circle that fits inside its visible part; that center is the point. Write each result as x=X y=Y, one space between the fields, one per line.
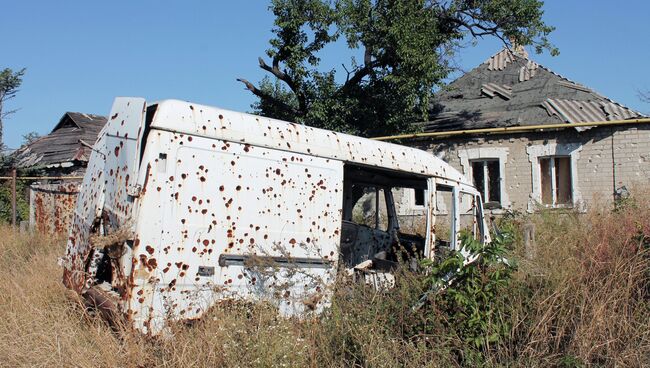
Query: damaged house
x=62 y=157
x=529 y=138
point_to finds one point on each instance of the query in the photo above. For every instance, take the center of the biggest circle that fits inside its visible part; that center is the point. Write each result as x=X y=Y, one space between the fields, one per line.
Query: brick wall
x=605 y=158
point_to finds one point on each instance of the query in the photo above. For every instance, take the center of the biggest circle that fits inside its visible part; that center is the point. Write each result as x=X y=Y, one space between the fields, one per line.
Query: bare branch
x=267 y=97
x=281 y=75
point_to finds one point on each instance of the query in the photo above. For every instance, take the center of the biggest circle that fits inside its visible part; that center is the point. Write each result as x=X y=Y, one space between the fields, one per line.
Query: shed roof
x=509 y=89
x=62 y=146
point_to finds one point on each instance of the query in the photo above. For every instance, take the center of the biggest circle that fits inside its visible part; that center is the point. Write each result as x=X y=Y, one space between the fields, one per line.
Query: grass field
x=582 y=300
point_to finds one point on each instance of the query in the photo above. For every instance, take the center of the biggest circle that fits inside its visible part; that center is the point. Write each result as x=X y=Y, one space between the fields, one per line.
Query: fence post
x=13 y=198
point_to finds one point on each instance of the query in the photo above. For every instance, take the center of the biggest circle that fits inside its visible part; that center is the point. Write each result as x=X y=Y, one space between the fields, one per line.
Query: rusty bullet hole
x=220 y=117
x=202 y=179
x=117 y=151
x=238 y=188
x=232 y=163
x=149 y=249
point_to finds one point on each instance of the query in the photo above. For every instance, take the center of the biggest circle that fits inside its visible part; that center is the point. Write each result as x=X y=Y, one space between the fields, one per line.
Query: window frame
x=485 y=194
x=499 y=154
x=554 y=180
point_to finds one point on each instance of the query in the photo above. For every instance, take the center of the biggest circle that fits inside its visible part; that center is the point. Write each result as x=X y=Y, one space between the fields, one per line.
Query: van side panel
x=238 y=221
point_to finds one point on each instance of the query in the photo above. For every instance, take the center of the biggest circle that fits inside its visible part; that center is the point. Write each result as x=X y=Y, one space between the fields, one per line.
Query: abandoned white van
x=183 y=206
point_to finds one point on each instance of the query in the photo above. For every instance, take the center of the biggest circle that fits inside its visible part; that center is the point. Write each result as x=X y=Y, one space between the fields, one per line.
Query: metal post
x=13 y=198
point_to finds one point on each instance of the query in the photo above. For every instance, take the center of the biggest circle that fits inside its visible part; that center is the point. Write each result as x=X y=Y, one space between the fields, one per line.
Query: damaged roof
x=62 y=147
x=509 y=89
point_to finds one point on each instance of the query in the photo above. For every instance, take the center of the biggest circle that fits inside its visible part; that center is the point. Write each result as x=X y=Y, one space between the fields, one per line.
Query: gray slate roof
x=62 y=144
x=509 y=89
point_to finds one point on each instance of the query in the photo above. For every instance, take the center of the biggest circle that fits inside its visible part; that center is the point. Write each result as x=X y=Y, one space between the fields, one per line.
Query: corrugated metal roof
x=574 y=111
x=618 y=112
x=492 y=89
x=528 y=71
x=500 y=60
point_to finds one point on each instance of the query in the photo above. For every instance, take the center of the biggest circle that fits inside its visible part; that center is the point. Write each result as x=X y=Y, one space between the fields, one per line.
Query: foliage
x=406 y=48
x=472 y=303
x=10 y=82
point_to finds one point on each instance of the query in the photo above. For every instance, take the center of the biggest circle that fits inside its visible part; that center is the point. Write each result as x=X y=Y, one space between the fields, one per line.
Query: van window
x=443 y=213
x=369 y=207
x=411 y=220
x=469 y=215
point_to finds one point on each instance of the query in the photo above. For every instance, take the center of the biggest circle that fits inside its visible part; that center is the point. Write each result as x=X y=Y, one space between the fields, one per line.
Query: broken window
x=444 y=216
x=369 y=207
x=371 y=228
x=413 y=222
x=487 y=180
x=469 y=215
x=555 y=172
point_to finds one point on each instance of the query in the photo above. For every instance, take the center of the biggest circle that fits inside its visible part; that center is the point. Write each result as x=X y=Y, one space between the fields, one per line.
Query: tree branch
x=267 y=97
x=275 y=70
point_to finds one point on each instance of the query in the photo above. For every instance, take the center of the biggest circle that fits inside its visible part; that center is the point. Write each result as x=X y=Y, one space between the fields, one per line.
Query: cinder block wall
x=606 y=158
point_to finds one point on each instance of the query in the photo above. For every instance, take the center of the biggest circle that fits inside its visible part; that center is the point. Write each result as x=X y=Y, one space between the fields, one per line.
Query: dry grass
x=584 y=299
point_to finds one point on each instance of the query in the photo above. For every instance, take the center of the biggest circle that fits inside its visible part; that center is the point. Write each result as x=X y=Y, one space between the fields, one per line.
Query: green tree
x=405 y=49
x=10 y=81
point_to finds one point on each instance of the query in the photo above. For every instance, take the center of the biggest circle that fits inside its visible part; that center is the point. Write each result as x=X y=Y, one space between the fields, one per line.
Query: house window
x=487 y=180
x=418 y=197
x=556 y=180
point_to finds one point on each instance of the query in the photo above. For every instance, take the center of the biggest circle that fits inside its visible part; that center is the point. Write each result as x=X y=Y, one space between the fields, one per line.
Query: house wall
x=603 y=159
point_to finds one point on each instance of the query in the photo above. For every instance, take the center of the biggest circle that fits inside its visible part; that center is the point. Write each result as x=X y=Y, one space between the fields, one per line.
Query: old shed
x=60 y=158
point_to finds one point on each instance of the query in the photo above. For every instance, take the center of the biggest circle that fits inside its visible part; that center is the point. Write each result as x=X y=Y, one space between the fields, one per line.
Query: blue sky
x=79 y=55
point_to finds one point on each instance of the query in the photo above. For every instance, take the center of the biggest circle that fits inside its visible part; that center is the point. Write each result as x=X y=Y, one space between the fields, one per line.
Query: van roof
x=213 y=122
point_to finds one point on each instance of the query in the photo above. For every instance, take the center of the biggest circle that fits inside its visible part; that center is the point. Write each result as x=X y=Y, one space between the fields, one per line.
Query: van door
x=124 y=131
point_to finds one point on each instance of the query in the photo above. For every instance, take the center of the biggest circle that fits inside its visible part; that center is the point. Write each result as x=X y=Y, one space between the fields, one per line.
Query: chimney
x=518 y=49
